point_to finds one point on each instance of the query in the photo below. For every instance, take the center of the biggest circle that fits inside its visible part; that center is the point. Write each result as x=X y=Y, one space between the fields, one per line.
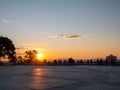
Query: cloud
x=8 y=21
x=72 y=36
x=18 y=48
x=56 y=36
x=27 y=46
x=69 y=36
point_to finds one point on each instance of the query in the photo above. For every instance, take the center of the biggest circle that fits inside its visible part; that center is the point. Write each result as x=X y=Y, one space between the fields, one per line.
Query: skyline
x=63 y=28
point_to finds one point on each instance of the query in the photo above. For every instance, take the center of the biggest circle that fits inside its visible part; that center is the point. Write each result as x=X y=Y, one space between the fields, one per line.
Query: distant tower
x=111 y=58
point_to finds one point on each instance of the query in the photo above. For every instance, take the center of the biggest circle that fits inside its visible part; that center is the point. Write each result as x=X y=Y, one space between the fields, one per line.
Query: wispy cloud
x=6 y=21
x=9 y=21
x=18 y=48
x=69 y=36
x=72 y=36
x=25 y=46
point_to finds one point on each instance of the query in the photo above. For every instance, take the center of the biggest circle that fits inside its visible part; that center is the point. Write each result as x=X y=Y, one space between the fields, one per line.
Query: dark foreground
x=59 y=78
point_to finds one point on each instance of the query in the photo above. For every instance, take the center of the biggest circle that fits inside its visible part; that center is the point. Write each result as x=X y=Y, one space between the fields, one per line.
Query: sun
x=39 y=56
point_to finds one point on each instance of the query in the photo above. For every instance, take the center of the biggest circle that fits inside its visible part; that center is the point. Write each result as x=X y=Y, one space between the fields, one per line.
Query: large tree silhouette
x=7 y=48
x=31 y=55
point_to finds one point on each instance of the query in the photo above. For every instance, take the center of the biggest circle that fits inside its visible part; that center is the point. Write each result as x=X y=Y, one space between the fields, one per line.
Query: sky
x=63 y=28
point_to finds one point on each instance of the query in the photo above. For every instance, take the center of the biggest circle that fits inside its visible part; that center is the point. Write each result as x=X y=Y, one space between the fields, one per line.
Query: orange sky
x=63 y=28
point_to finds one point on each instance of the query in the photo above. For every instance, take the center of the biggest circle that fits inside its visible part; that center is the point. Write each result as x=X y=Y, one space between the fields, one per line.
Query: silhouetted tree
x=106 y=62
x=1 y=63
x=71 y=61
x=64 y=61
x=45 y=61
x=112 y=62
x=19 y=60
x=101 y=61
x=81 y=61
x=31 y=55
x=98 y=61
x=91 y=61
x=88 y=61
x=59 y=61
x=55 y=61
x=7 y=48
x=49 y=62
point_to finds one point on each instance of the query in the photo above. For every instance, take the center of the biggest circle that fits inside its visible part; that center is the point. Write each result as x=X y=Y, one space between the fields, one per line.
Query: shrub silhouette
x=71 y=61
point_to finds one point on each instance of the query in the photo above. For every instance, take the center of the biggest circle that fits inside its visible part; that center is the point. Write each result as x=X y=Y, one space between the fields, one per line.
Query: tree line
x=7 y=49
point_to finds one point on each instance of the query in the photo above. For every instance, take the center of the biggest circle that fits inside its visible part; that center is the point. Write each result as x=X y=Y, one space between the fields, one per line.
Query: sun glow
x=39 y=56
